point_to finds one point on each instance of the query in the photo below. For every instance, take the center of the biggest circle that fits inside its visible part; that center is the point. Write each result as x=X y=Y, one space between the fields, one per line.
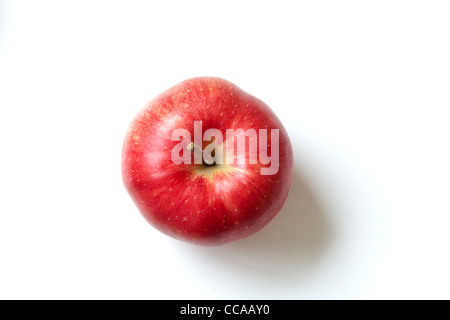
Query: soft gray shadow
x=286 y=249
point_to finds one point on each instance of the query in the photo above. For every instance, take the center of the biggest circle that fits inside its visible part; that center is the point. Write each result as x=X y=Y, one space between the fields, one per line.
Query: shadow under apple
x=287 y=249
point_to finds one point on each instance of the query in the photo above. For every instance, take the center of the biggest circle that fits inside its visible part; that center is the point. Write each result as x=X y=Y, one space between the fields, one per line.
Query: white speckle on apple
x=172 y=203
x=257 y=208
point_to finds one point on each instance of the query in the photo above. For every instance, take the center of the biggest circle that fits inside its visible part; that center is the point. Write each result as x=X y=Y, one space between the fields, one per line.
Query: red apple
x=202 y=201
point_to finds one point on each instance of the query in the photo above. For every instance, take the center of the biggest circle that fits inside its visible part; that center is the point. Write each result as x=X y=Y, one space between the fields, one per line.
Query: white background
x=363 y=88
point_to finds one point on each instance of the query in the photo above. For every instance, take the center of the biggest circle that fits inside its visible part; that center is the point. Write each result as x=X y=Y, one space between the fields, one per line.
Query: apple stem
x=207 y=158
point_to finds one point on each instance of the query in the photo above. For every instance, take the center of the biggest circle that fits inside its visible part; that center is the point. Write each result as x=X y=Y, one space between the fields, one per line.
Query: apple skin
x=227 y=204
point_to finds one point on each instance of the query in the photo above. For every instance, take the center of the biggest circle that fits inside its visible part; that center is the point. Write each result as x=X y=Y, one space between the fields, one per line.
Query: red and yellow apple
x=199 y=200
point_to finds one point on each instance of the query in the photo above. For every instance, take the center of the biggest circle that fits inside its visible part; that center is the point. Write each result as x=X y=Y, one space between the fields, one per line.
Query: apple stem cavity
x=207 y=158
